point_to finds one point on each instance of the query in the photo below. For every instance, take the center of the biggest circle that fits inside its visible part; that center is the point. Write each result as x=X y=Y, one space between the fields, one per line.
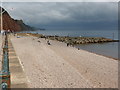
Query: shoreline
x=40 y=35
x=101 y=55
x=92 y=52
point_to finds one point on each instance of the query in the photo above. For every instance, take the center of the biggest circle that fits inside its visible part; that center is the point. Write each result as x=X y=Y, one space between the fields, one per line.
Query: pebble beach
x=59 y=66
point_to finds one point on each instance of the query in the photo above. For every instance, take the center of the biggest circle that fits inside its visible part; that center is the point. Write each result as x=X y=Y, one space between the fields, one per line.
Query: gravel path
x=59 y=66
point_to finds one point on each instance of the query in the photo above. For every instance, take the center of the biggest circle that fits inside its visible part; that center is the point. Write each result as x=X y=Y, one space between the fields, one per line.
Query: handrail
x=5 y=74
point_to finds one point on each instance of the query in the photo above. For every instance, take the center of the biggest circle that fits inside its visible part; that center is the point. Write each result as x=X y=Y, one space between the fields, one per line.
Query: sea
x=109 y=49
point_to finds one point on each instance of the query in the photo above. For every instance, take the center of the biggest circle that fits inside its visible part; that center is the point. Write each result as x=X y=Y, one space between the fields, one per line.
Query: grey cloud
x=63 y=13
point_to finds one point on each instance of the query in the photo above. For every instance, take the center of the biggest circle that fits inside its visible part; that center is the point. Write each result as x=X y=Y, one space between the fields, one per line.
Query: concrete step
x=18 y=78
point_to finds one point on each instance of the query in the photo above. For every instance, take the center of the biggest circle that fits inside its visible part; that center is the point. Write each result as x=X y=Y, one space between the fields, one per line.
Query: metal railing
x=5 y=74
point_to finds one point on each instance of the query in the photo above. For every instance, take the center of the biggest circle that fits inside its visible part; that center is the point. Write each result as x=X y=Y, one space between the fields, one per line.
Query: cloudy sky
x=59 y=0
x=66 y=15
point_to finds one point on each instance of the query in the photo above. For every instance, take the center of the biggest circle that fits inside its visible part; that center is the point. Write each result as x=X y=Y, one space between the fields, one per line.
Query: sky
x=59 y=0
x=66 y=15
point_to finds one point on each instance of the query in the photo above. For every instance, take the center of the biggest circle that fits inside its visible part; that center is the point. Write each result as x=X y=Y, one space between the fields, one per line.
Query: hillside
x=11 y=24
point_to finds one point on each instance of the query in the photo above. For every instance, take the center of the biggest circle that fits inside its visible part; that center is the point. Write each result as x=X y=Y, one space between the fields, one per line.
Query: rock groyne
x=73 y=40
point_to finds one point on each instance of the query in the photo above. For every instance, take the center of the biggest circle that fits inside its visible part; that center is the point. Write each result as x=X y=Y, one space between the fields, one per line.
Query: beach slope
x=59 y=66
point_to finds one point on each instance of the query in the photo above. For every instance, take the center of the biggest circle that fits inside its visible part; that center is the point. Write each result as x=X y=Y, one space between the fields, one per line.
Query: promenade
x=12 y=65
x=18 y=78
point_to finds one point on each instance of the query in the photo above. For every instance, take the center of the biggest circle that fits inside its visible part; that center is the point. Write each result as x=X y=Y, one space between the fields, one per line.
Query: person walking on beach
x=48 y=42
x=6 y=32
x=67 y=44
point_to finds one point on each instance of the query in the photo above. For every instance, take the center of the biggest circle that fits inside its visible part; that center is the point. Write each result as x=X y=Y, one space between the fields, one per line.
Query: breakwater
x=72 y=40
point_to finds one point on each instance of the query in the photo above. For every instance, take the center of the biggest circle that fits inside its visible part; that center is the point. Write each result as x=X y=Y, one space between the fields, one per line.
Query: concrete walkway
x=18 y=78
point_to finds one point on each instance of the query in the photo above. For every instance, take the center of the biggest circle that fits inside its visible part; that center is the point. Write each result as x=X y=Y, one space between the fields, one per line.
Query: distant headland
x=15 y=25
